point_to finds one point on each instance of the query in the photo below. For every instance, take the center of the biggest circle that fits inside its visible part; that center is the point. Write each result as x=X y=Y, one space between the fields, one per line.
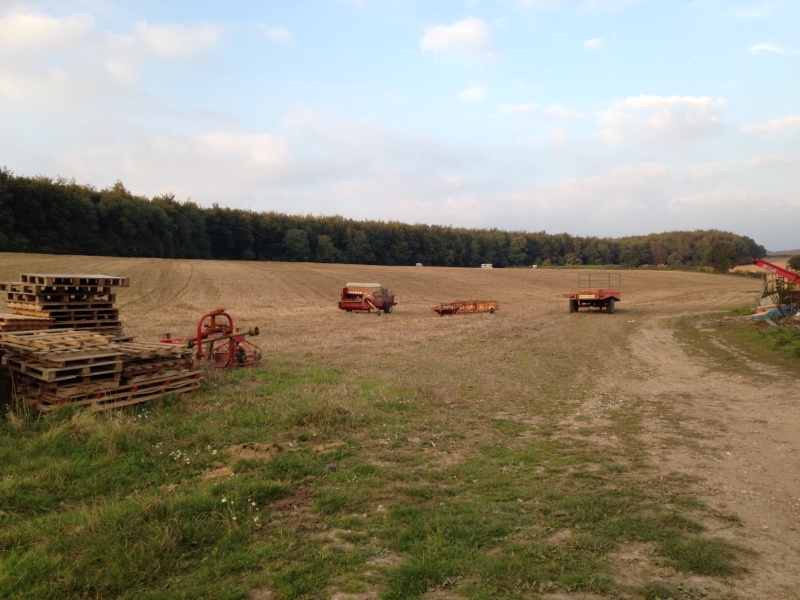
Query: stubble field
x=675 y=420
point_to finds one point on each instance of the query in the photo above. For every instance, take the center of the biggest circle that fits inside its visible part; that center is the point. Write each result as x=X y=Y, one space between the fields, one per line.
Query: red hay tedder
x=218 y=340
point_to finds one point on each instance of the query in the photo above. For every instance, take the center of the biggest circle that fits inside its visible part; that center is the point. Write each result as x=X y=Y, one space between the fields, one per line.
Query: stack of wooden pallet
x=63 y=302
x=58 y=367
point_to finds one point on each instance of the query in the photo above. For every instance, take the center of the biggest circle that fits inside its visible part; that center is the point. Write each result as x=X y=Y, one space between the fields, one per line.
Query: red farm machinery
x=466 y=307
x=780 y=285
x=596 y=290
x=219 y=341
x=364 y=297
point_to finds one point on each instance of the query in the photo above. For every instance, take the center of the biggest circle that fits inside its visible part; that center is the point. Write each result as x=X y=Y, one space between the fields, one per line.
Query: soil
x=735 y=435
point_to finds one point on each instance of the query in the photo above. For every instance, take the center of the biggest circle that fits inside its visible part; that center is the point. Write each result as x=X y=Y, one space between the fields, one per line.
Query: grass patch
x=305 y=481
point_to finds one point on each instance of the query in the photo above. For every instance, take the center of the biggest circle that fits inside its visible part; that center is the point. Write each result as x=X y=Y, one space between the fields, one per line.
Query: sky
x=601 y=118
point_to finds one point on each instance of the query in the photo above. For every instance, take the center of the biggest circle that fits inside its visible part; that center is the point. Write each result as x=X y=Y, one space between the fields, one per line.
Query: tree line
x=59 y=216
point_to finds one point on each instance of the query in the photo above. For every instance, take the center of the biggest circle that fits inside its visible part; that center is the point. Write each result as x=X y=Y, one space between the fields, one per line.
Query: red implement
x=790 y=275
x=466 y=307
x=596 y=290
x=217 y=327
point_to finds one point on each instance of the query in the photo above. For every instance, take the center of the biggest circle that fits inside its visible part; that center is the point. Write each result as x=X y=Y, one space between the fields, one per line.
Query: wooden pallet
x=34 y=289
x=73 y=373
x=56 y=343
x=74 y=280
x=23 y=322
x=60 y=296
x=185 y=382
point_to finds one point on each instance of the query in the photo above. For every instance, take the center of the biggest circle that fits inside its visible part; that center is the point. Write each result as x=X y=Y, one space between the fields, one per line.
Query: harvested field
x=730 y=437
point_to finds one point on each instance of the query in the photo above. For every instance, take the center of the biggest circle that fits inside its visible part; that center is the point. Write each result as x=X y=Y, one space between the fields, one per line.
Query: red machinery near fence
x=218 y=340
x=596 y=290
x=465 y=307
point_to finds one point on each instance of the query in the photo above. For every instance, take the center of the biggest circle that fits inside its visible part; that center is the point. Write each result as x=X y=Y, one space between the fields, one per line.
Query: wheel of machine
x=610 y=305
x=388 y=307
x=573 y=306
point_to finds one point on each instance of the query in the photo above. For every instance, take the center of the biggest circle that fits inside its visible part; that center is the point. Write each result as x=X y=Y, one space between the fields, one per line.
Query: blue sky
x=599 y=118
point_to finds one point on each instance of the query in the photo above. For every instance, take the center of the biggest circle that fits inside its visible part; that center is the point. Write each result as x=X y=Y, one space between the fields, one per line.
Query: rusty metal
x=466 y=307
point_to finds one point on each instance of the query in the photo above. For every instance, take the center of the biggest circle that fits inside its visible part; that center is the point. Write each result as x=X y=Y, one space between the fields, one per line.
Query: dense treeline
x=42 y=215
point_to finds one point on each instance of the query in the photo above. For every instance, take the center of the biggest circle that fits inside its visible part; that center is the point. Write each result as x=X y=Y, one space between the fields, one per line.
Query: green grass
x=303 y=481
x=736 y=344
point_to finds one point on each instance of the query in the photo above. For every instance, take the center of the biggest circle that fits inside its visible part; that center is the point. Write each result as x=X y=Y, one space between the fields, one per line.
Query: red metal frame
x=217 y=326
x=466 y=307
x=791 y=276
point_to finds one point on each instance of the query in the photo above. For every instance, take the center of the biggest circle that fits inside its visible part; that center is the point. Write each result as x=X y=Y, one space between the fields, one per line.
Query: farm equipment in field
x=596 y=290
x=782 y=285
x=219 y=341
x=365 y=297
x=466 y=307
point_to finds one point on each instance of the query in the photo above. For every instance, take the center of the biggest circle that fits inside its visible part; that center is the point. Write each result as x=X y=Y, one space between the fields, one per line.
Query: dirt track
x=740 y=431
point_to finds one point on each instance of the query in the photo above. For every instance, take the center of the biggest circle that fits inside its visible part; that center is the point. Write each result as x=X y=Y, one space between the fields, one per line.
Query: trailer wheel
x=610 y=305
x=388 y=307
x=573 y=306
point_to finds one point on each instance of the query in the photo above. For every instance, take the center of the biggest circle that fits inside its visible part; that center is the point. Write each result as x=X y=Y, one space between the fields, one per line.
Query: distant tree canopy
x=43 y=215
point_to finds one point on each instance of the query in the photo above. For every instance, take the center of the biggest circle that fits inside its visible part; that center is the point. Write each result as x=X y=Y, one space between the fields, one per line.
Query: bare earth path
x=738 y=436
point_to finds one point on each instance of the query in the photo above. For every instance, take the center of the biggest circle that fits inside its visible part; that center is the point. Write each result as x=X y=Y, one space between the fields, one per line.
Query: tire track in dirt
x=739 y=438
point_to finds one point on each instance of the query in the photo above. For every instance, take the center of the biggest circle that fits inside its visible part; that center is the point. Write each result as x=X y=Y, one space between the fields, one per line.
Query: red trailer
x=596 y=290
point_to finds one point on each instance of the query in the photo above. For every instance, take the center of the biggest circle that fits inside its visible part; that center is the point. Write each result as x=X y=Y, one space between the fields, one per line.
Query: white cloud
x=774 y=126
x=277 y=35
x=594 y=43
x=764 y=49
x=667 y=118
x=542 y=4
x=757 y=11
x=583 y=4
x=472 y=93
x=562 y=112
x=716 y=199
x=758 y=162
x=709 y=172
x=176 y=41
x=518 y=109
x=467 y=41
x=36 y=33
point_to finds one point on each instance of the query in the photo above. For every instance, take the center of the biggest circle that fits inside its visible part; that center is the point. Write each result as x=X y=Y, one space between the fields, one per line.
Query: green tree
x=518 y=250
x=295 y=245
x=794 y=263
x=358 y=250
x=721 y=256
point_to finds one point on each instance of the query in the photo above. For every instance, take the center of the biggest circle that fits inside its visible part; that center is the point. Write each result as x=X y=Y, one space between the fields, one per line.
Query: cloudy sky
x=599 y=118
